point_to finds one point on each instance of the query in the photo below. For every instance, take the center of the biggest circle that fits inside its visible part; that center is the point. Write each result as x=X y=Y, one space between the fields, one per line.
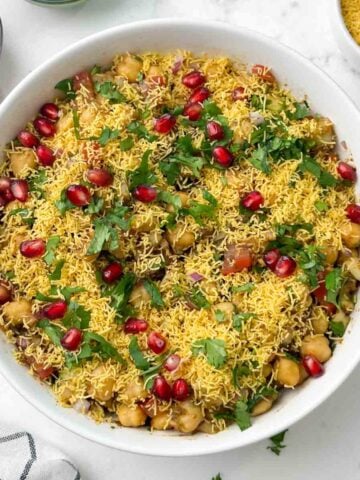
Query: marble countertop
x=323 y=445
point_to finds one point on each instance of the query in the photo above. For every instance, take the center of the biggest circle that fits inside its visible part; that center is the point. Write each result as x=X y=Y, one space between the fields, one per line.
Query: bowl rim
x=55 y=414
x=339 y=21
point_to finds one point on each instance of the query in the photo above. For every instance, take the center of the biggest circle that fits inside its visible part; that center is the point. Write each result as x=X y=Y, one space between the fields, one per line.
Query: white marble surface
x=323 y=445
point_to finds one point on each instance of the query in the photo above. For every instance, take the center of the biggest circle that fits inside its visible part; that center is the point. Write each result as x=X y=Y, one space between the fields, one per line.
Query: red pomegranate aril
x=271 y=258
x=238 y=94
x=353 y=212
x=33 y=248
x=45 y=156
x=285 y=267
x=346 y=171
x=4 y=184
x=27 y=139
x=214 y=131
x=252 y=201
x=72 y=339
x=329 y=307
x=20 y=190
x=112 y=272
x=223 y=156
x=312 y=365
x=5 y=292
x=145 y=194
x=172 y=362
x=78 y=195
x=7 y=196
x=50 y=111
x=165 y=123
x=199 y=95
x=193 y=111
x=44 y=127
x=100 y=177
x=193 y=79
x=55 y=310
x=180 y=390
x=3 y=201
x=161 y=389
x=320 y=292
x=135 y=325
x=156 y=342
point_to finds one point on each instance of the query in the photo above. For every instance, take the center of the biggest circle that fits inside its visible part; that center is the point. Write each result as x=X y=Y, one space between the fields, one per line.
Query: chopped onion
x=82 y=405
x=196 y=277
x=256 y=118
x=177 y=65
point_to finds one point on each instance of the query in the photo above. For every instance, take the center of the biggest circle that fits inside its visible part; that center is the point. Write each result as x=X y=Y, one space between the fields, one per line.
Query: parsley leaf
x=142 y=175
x=141 y=131
x=277 y=443
x=213 y=349
x=66 y=86
x=120 y=293
x=333 y=284
x=154 y=292
x=51 y=246
x=109 y=90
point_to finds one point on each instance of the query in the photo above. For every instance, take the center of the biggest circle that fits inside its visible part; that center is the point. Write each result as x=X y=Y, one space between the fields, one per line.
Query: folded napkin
x=26 y=457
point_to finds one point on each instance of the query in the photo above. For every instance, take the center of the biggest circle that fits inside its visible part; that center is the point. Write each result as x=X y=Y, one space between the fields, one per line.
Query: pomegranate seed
x=253 y=200
x=346 y=171
x=180 y=390
x=145 y=194
x=20 y=190
x=45 y=155
x=165 y=123
x=214 y=131
x=285 y=266
x=27 y=139
x=32 y=248
x=44 y=127
x=313 y=366
x=199 y=95
x=156 y=342
x=100 y=177
x=72 y=339
x=193 y=79
x=172 y=362
x=50 y=111
x=320 y=292
x=223 y=156
x=78 y=195
x=135 y=325
x=5 y=292
x=4 y=184
x=329 y=307
x=271 y=258
x=353 y=212
x=7 y=196
x=112 y=272
x=161 y=388
x=238 y=94
x=3 y=201
x=55 y=310
x=193 y=111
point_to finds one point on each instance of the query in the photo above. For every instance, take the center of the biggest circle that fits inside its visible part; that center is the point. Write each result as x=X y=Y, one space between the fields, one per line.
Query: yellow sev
x=351 y=13
x=280 y=306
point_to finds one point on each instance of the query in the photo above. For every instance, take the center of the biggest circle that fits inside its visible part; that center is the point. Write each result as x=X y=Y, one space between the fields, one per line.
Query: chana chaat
x=178 y=242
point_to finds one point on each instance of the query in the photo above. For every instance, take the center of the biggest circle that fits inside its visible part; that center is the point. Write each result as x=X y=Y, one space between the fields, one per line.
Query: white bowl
x=302 y=77
x=346 y=43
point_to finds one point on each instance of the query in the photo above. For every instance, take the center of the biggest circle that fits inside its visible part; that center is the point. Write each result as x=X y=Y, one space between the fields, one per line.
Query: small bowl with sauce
x=345 y=24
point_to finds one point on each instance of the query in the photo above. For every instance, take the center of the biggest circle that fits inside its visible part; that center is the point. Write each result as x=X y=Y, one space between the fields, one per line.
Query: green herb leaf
x=95 y=206
x=240 y=318
x=25 y=214
x=291 y=229
x=220 y=316
x=64 y=204
x=200 y=211
x=241 y=370
x=68 y=292
x=106 y=135
x=312 y=261
x=321 y=206
x=51 y=246
x=35 y=181
x=126 y=144
x=154 y=292
x=324 y=178
x=277 y=443
x=259 y=160
x=54 y=332
x=101 y=346
x=120 y=293
x=301 y=111
x=217 y=477
x=66 y=86
x=246 y=287
x=141 y=131
x=213 y=349
x=142 y=175
x=137 y=356
x=109 y=90
x=198 y=299
x=338 y=328
x=242 y=415
x=76 y=122
x=77 y=316
x=56 y=274
x=333 y=284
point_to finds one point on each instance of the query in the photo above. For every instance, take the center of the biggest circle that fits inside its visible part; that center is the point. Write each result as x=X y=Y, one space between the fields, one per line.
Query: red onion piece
x=196 y=277
x=177 y=65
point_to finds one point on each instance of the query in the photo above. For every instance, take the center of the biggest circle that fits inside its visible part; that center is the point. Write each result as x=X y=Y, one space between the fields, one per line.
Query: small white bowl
x=291 y=69
x=348 y=46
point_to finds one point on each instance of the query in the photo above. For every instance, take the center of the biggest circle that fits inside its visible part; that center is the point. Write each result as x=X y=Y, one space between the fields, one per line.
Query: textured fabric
x=24 y=457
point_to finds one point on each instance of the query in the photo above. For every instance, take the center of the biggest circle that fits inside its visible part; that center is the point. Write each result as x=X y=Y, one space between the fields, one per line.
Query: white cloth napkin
x=26 y=457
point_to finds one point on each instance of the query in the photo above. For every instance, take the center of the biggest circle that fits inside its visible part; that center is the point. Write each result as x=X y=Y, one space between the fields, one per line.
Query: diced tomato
x=320 y=294
x=83 y=79
x=236 y=259
x=263 y=72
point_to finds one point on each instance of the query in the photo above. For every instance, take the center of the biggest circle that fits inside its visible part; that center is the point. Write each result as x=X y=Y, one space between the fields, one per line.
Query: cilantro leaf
x=200 y=211
x=126 y=144
x=312 y=261
x=338 y=328
x=141 y=131
x=333 y=284
x=101 y=346
x=25 y=214
x=77 y=316
x=109 y=90
x=142 y=175
x=95 y=206
x=68 y=292
x=119 y=294
x=66 y=86
x=154 y=292
x=325 y=178
x=141 y=363
x=220 y=316
x=218 y=477
x=240 y=318
x=321 y=206
x=301 y=111
x=64 y=204
x=260 y=161
x=170 y=167
x=107 y=135
x=198 y=299
x=242 y=415
x=51 y=246
x=246 y=287
x=56 y=274
x=291 y=229
x=277 y=443
x=54 y=332
x=35 y=181
x=213 y=349
x=241 y=370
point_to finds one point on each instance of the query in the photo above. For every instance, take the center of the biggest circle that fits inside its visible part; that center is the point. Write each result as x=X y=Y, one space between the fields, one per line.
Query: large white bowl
x=290 y=68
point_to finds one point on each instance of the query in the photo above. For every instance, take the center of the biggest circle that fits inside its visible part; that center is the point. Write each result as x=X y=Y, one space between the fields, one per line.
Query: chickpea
x=184 y=199
x=316 y=345
x=331 y=254
x=88 y=115
x=266 y=370
x=180 y=239
x=350 y=234
x=262 y=406
x=353 y=265
x=139 y=296
x=22 y=162
x=155 y=238
x=206 y=427
x=324 y=133
x=143 y=225
x=17 y=311
x=189 y=418
x=129 y=68
x=135 y=391
x=161 y=421
x=287 y=372
x=320 y=324
x=64 y=123
x=131 y=416
x=101 y=385
x=227 y=310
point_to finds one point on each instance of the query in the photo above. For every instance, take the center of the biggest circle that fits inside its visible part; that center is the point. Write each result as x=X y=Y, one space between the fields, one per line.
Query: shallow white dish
x=302 y=77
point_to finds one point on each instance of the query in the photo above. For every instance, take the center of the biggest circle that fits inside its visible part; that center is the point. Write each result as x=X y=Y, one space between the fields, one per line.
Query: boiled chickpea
x=320 y=324
x=206 y=427
x=262 y=406
x=18 y=311
x=324 y=133
x=101 y=385
x=317 y=346
x=353 y=266
x=135 y=391
x=180 y=239
x=129 y=68
x=22 y=162
x=140 y=224
x=139 y=296
x=155 y=238
x=161 y=421
x=64 y=123
x=227 y=310
x=189 y=418
x=88 y=115
x=131 y=416
x=287 y=372
x=350 y=234
x=184 y=199
x=266 y=370
x=331 y=254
